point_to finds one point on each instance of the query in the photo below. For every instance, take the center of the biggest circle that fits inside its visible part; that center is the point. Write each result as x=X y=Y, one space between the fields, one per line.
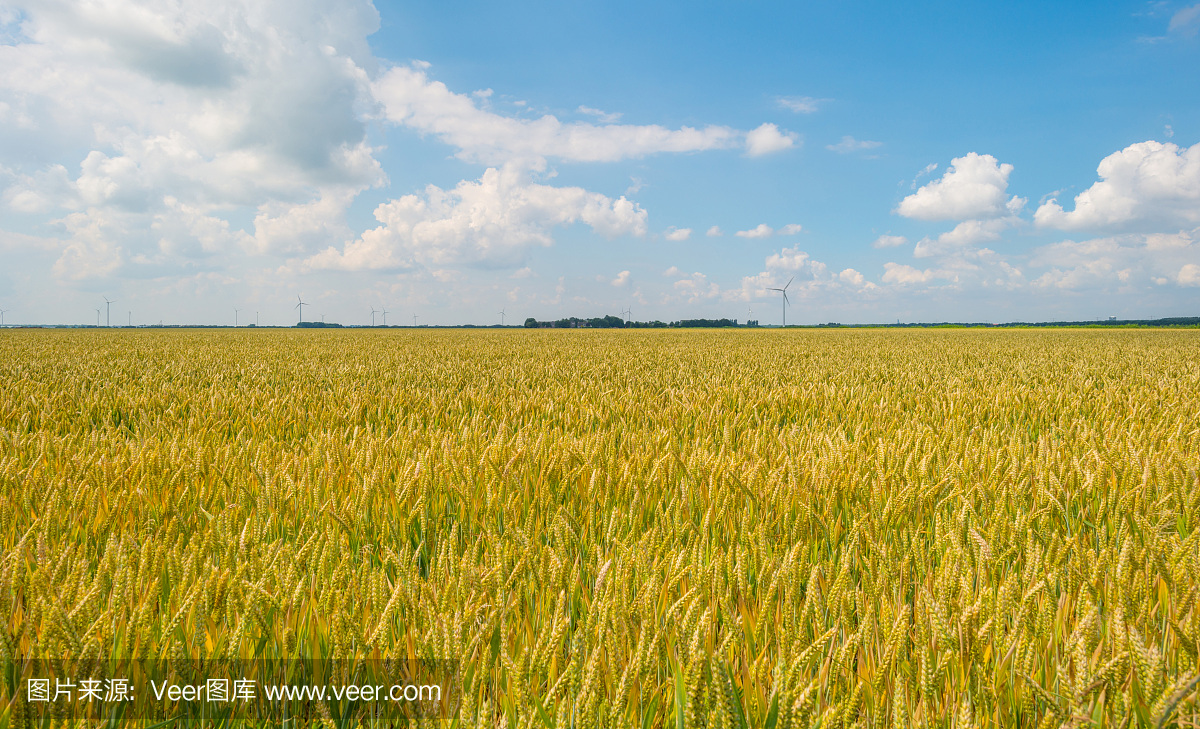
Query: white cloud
x=790 y=229
x=767 y=139
x=973 y=187
x=286 y=229
x=850 y=144
x=10 y=241
x=803 y=277
x=965 y=234
x=761 y=231
x=801 y=104
x=490 y=221
x=1114 y=261
x=603 y=116
x=928 y=169
x=889 y=241
x=91 y=250
x=1189 y=275
x=1186 y=22
x=714 y=232
x=209 y=103
x=1146 y=186
x=186 y=232
x=678 y=234
x=850 y=276
x=525 y=272
x=673 y=272
x=410 y=98
x=621 y=281
x=696 y=288
x=794 y=259
x=899 y=273
x=186 y=113
x=42 y=191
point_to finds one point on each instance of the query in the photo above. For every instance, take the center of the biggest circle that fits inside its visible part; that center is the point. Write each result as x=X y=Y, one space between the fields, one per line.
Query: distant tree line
x=1176 y=321
x=615 y=322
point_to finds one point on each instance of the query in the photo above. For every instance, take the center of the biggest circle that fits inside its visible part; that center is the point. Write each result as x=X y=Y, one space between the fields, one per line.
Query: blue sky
x=953 y=161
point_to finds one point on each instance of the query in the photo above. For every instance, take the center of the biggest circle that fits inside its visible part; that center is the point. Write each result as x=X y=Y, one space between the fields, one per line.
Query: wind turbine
x=2 y=313
x=300 y=306
x=785 y=298
x=627 y=313
x=235 y=313
x=107 y=309
x=501 y=313
x=749 y=315
x=385 y=313
x=373 y=312
x=97 y=317
x=414 y=320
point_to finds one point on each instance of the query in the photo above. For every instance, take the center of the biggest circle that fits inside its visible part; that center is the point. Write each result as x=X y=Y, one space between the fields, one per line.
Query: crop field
x=718 y=529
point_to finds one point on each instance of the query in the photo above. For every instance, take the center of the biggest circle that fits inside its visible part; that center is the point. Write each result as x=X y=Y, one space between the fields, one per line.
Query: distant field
x=730 y=528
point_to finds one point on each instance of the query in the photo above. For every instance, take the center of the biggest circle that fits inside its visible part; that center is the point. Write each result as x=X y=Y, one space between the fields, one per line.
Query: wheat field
x=719 y=529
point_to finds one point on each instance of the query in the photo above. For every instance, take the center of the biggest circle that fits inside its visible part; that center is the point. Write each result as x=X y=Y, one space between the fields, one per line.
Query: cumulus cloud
x=621 y=281
x=714 y=232
x=794 y=259
x=695 y=288
x=186 y=113
x=973 y=187
x=190 y=117
x=767 y=139
x=1189 y=275
x=186 y=231
x=966 y=233
x=288 y=229
x=43 y=191
x=803 y=276
x=1147 y=186
x=92 y=249
x=903 y=274
x=211 y=104
x=850 y=144
x=968 y=270
x=790 y=229
x=678 y=234
x=762 y=230
x=410 y=98
x=1110 y=262
x=851 y=276
x=889 y=241
x=490 y=221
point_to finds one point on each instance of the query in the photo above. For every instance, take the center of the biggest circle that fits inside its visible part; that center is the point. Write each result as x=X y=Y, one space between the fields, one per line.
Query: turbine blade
x=789 y=283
